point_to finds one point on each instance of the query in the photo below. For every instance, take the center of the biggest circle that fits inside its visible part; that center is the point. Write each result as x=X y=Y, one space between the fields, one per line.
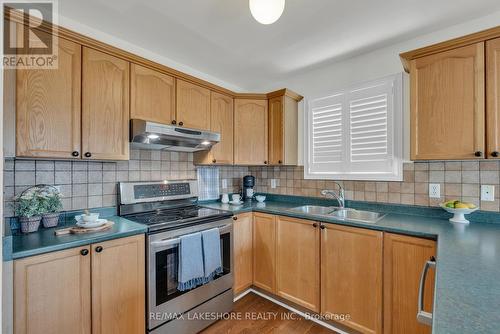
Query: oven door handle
x=174 y=241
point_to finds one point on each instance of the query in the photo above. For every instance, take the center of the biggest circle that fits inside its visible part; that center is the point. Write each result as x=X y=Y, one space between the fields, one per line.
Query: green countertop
x=45 y=240
x=467 y=294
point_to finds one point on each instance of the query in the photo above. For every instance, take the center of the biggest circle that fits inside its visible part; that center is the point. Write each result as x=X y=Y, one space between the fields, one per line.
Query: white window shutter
x=356 y=134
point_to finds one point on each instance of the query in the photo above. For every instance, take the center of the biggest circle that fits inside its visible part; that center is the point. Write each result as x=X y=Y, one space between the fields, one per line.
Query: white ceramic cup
x=90 y=218
x=260 y=198
x=225 y=198
x=236 y=198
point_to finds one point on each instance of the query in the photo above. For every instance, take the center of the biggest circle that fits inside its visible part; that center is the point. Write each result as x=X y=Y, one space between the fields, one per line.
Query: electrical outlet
x=224 y=183
x=274 y=183
x=434 y=190
x=487 y=193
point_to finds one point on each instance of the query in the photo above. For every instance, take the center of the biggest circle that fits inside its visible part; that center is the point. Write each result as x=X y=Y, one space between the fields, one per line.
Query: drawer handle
x=322 y=227
x=88 y=154
x=181 y=123
x=315 y=225
x=235 y=218
x=495 y=154
x=75 y=153
x=214 y=160
x=478 y=153
x=424 y=317
x=174 y=122
x=98 y=249
x=84 y=252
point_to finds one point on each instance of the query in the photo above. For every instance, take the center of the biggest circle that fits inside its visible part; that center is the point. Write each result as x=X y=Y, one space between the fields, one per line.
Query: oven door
x=165 y=302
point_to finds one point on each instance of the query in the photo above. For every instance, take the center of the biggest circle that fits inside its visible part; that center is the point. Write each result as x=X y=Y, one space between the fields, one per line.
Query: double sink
x=340 y=213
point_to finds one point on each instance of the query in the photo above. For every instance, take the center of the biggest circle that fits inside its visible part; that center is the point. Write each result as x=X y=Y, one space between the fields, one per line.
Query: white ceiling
x=221 y=39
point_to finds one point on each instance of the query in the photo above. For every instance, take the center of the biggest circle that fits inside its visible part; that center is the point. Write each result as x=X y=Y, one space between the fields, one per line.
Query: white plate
x=236 y=203
x=97 y=223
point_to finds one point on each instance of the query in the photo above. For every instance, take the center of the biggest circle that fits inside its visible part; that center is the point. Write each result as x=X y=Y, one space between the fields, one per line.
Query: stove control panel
x=161 y=190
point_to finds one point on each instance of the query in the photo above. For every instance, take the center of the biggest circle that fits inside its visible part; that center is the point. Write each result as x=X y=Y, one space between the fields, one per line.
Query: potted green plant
x=29 y=210
x=50 y=198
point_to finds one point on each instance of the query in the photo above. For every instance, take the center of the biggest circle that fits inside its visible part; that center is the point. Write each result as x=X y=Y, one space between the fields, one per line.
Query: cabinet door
x=193 y=106
x=264 y=252
x=276 y=152
x=105 y=106
x=48 y=107
x=243 y=251
x=447 y=104
x=298 y=261
x=52 y=293
x=351 y=276
x=118 y=284
x=152 y=95
x=221 y=121
x=250 y=132
x=493 y=98
x=404 y=259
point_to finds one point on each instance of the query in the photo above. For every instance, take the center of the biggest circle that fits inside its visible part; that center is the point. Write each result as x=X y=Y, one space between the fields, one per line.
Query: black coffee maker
x=248 y=184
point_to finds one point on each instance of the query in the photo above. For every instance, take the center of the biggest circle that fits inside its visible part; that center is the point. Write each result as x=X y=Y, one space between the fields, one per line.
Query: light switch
x=434 y=190
x=487 y=193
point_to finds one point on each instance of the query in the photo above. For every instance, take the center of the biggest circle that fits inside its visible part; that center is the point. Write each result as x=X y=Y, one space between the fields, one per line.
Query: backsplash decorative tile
x=458 y=179
x=89 y=184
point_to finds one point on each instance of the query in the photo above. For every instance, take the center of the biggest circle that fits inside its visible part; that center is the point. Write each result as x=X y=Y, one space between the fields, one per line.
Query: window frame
x=396 y=139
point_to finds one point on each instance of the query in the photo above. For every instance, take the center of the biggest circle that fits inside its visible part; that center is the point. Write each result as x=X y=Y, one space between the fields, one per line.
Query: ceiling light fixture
x=267 y=11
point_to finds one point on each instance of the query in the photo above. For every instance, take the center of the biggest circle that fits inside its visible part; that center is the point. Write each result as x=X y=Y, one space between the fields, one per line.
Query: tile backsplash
x=88 y=184
x=93 y=184
x=458 y=180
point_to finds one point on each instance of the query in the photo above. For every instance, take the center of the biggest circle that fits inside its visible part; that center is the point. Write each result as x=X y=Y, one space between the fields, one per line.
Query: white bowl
x=90 y=218
x=458 y=214
x=260 y=198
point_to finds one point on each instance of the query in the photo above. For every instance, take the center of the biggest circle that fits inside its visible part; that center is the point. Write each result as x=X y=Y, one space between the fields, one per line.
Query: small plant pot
x=29 y=224
x=50 y=219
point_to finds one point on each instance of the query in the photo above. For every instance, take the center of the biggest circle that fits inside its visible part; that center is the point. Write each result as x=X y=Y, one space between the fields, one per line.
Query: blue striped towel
x=191 y=272
x=211 y=254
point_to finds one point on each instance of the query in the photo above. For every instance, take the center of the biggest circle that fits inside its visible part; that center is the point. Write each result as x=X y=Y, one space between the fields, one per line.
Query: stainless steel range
x=170 y=210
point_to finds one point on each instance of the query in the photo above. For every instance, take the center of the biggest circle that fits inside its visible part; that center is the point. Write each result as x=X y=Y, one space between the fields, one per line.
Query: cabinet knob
x=98 y=249
x=84 y=252
x=495 y=154
x=75 y=153
x=181 y=123
x=478 y=153
x=322 y=227
x=214 y=161
x=280 y=162
x=88 y=154
x=265 y=162
x=235 y=218
x=315 y=225
x=174 y=122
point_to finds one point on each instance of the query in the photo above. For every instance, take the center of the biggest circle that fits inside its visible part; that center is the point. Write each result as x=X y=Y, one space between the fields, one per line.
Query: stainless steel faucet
x=339 y=196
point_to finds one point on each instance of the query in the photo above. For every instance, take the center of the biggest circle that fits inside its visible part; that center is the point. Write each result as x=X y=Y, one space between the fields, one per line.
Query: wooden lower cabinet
x=264 y=252
x=351 y=276
x=52 y=293
x=404 y=259
x=243 y=251
x=96 y=289
x=298 y=261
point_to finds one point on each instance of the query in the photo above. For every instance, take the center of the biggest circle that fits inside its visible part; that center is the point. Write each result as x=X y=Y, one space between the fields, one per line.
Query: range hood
x=156 y=136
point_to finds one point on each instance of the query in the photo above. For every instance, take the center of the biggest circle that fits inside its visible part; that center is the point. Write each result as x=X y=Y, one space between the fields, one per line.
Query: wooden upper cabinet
x=221 y=121
x=447 y=104
x=243 y=251
x=351 y=276
x=48 y=107
x=152 y=95
x=250 y=132
x=264 y=252
x=404 y=259
x=283 y=131
x=493 y=98
x=298 y=261
x=193 y=106
x=52 y=293
x=105 y=106
x=118 y=286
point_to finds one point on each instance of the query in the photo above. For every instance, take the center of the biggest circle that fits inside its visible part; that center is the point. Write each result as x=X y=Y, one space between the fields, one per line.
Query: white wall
x=379 y=63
